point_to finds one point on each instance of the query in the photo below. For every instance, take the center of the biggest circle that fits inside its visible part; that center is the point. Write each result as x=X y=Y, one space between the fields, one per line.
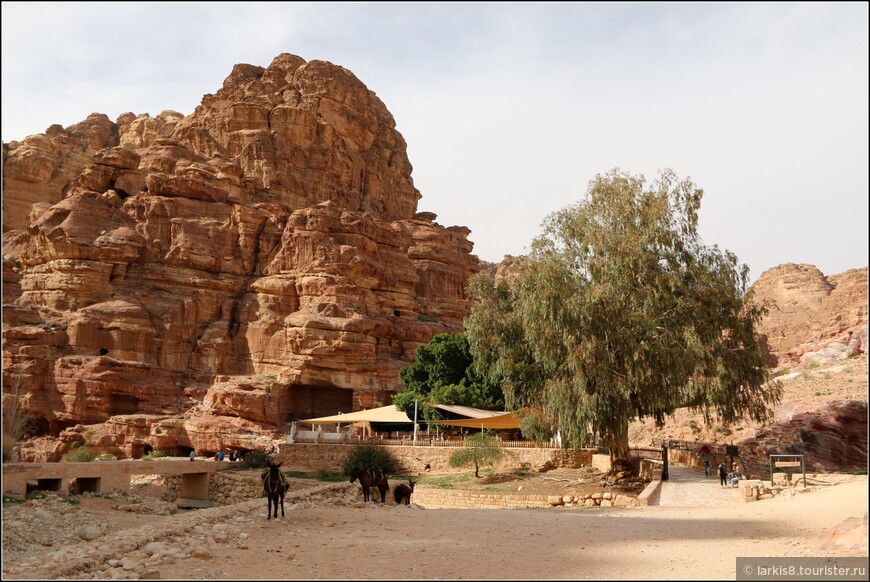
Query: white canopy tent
x=380 y=414
x=364 y=418
x=467 y=411
x=505 y=420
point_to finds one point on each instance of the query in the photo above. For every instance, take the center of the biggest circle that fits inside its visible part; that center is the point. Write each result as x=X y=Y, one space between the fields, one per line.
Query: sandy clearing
x=393 y=542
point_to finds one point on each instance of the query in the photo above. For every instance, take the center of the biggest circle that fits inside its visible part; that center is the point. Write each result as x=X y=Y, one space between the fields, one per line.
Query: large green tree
x=619 y=312
x=444 y=372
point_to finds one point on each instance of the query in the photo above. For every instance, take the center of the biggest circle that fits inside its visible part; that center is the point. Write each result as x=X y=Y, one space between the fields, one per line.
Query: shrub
x=369 y=455
x=256 y=459
x=154 y=455
x=81 y=454
x=106 y=457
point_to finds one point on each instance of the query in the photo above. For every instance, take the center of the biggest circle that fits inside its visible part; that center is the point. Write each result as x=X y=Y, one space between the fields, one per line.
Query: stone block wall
x=601 y=462
x=432 y=498
x=224 y=488
x=414 y=460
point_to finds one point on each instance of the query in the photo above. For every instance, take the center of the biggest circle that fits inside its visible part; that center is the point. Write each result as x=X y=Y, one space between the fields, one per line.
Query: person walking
x=723 y=475
x=704 y=453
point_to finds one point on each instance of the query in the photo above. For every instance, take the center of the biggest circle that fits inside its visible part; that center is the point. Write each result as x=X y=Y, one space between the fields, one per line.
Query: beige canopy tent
x=508 y=420
x=467 y=411
x=380 y=414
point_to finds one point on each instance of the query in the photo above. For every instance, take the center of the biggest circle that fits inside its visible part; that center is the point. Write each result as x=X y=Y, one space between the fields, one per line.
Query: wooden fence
x=314 y=436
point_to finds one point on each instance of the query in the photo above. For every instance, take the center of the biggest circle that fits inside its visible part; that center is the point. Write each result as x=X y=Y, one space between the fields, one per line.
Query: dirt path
x=699 y=536
x=397 y=542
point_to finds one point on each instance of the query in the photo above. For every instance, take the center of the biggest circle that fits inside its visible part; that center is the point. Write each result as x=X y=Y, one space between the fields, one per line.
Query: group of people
x=727 y=479
x=233 y=456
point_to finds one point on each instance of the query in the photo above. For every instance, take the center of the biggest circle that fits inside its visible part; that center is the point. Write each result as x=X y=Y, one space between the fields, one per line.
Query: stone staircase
x=753 y=467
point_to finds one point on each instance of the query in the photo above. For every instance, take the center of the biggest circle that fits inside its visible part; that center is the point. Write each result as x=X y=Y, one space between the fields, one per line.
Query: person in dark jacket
x=723 y=475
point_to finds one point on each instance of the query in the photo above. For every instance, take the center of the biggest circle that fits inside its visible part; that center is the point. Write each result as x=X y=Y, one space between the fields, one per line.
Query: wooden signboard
x=787 y=463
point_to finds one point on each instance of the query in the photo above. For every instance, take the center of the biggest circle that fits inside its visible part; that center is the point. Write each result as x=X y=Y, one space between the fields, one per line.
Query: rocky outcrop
x=812 y=318
x=832 y=436
x=200 y=281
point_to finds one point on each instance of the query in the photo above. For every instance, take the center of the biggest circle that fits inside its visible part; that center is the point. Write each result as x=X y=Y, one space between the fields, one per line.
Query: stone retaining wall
x=432 y=498
x=414 y=460
x=224 y=488
x=690 y=459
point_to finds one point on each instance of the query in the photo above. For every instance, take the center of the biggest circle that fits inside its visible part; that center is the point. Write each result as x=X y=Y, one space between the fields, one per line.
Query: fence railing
x=640 y=453
x=318 y=437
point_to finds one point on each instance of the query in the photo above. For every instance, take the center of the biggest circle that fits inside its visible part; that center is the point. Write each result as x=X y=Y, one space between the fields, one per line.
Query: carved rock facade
x=197 y=282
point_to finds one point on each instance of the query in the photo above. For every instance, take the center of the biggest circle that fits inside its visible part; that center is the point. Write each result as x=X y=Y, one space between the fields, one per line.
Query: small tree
x=480 y=449
x=369 y=455
x=17 y=418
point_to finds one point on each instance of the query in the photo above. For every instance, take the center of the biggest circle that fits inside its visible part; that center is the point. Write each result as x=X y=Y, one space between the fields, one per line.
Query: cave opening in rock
x=302 y=401
x=123 y=404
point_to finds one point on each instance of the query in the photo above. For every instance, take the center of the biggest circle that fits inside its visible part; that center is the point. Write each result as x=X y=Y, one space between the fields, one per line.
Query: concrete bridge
x=100 y=476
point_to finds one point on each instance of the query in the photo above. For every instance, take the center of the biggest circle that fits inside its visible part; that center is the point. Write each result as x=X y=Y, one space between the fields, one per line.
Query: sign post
x=785 y=462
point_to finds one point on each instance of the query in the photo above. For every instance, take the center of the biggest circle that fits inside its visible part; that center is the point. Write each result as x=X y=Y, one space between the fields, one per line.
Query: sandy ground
x=689 y=539
x=404 y=543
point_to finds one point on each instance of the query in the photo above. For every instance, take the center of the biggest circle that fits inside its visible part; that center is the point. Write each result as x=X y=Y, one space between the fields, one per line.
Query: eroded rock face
x=812 y=318
x=832 y=437
x=214 y=276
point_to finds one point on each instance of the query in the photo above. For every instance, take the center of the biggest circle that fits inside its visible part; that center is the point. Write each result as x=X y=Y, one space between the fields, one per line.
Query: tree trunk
x=620 y=456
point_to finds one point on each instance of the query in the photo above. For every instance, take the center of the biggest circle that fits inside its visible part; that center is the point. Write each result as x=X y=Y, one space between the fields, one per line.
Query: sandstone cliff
x=812 y=319
x=197 y=282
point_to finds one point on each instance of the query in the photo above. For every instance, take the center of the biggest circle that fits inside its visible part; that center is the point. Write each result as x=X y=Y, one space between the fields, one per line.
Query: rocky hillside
x=177 y=282
x=822 y=415
x=812 y=319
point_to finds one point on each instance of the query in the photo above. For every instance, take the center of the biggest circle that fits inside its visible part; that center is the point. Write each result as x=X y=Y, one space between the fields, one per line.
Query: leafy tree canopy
x=444 y=372
x=479 y=449
x=621 y=312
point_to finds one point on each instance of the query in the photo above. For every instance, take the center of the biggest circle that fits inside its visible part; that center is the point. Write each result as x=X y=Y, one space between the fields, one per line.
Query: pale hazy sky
x=510 y=109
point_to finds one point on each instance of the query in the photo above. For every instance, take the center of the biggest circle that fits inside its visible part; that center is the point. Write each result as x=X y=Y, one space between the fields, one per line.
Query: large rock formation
x=812 y=319
x=200 y=281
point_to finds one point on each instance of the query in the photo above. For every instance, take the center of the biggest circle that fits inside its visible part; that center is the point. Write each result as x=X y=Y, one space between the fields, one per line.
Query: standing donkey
x=403 y=492
x=275 y=486
x=371 y=477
